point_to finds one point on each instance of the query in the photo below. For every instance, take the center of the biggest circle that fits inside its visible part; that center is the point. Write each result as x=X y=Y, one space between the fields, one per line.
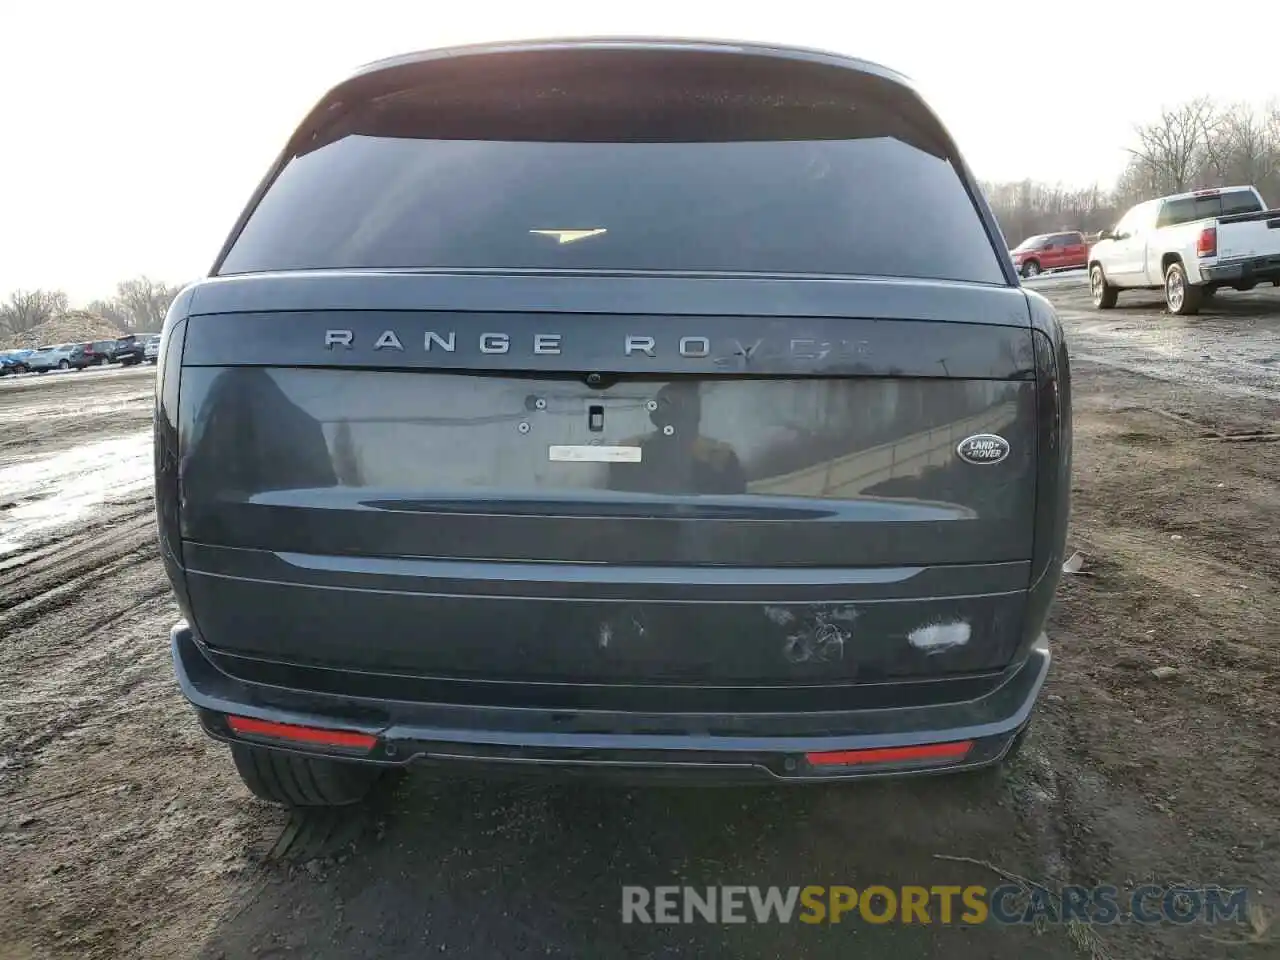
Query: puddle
x=41 y=495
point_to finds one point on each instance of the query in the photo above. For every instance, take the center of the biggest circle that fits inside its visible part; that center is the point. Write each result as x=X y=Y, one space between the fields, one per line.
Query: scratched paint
x=820 y=640
x=935 y=638
x=780 y=615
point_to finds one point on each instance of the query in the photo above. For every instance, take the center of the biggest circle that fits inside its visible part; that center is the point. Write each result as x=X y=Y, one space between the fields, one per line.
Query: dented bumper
x=777 y=746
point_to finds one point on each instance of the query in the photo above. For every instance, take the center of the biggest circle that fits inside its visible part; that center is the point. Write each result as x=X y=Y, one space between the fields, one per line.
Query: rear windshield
x=1222 y=204
x=873 y=206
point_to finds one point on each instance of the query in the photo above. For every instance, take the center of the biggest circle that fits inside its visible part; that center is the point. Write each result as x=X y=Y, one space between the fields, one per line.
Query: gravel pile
x=74 y=326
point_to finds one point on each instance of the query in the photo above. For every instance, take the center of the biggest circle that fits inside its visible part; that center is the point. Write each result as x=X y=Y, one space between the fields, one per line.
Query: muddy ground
x=125 y=833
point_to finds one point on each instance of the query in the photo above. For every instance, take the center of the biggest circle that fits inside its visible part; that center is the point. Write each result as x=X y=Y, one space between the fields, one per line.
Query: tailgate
x=680 y=497
x=1249 y=235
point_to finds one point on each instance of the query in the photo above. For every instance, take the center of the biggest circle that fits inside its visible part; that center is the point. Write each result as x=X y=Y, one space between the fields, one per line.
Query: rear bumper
x=1245 y=270
x=757 y=746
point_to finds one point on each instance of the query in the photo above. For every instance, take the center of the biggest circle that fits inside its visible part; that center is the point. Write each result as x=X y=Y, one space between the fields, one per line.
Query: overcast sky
x=134 y=131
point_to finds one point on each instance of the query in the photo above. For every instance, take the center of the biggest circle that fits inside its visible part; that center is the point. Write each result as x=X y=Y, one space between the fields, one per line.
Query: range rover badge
x=983 y=448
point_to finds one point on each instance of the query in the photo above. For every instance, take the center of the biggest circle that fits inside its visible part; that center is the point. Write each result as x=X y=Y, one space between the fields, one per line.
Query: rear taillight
x=1207 y=245
x=293 y=733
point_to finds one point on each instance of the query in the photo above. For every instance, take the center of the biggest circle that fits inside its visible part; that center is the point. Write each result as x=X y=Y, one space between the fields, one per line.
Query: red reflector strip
x=290 y=731
x=928 y=751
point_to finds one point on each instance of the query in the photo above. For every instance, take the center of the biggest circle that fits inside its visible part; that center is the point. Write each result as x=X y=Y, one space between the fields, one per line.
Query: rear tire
x=297 y=781
x=1104 y=294
x=63 y=365
x=1181 y=297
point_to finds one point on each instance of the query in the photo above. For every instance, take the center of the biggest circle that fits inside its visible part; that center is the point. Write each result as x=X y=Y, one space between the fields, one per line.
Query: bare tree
x=145 y=302
x=1174 y=149
x=1247 y=147
x=29 y=308
x=1197 y=144
x=1027 y=208
x=113 y=312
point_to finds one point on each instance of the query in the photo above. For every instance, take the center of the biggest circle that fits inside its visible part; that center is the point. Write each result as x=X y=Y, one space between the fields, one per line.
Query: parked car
x=14 y=361
x=130 y=350
x=53 y=357
x=1051 y=251
x=1192 y=245
x=94 y=354
x=526 y=494
x=151 y=350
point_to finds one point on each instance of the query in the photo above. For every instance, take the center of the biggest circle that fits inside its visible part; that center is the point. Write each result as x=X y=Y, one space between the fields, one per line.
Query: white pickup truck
x=1191 y=244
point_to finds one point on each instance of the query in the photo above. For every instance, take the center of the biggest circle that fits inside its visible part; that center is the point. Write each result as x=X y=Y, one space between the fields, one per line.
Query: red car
x=1051 y=251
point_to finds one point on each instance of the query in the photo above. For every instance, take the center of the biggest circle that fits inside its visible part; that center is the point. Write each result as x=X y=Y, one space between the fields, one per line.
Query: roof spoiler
x=623 y=90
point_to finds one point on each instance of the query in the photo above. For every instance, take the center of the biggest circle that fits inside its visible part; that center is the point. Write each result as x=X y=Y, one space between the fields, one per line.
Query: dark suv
x=609 y=406
x=95 y=354
x=130 y=349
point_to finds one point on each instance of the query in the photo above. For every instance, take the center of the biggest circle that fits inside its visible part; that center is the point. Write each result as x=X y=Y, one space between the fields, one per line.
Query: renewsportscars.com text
x=938 y=904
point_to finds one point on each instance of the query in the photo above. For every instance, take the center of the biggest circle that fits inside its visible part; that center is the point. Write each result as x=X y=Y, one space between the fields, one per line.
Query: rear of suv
x=129 y=350
x=599 y=405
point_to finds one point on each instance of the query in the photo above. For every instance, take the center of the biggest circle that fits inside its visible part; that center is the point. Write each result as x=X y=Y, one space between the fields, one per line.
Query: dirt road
x=1233 y=346
x=124 y=832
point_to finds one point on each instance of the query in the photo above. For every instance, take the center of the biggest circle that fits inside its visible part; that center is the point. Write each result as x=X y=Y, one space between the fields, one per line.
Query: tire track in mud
x=78 y=634
x=1049 y=806
x=42 y=578
x=1215 y=376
